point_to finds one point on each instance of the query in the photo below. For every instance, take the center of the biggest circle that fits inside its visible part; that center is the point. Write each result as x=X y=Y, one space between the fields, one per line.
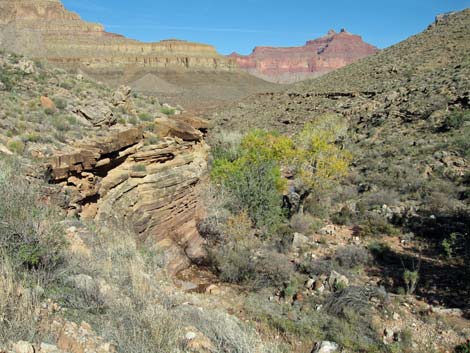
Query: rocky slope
x=115 y=155
x=408 y=109
x=44 y=29
x=316 y=57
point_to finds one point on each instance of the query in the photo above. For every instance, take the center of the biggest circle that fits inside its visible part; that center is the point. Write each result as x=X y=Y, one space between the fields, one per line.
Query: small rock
x=388 y=335
x=190 y=335
x=2 y=86
x=396 y=316
x=23 y=347
x=337 y=280
x=49 y=348
x=325 y=347
x=299 y=241
x=4 y=150
x=310 y=282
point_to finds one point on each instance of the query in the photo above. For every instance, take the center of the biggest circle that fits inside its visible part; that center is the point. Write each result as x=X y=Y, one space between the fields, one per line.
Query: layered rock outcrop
x=45 y=29
x=151 y=188
x=319 y=56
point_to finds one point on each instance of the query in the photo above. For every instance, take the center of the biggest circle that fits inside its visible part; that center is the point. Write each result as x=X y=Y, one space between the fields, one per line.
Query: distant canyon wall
x=316 y=57
x=45 y=29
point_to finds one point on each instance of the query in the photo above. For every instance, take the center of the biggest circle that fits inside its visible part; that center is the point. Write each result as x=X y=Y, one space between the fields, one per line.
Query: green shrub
x=145 y=117
x=32 y=137
x=16 y=146
x=376 y=225
x=456 y=119
x=60 y=124
x=49 y=111
x=253 y=183
x=167 y=111
x=352 y=256
x=60 y=103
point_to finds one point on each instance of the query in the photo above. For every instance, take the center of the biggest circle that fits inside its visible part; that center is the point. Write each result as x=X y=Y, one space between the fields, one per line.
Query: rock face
x=153 y=188
x=319 y=56
x=45 y=29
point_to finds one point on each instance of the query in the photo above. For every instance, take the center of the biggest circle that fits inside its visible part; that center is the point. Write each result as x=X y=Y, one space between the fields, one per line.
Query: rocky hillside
x=105 y=152
x=407 y=107
x=316 y=57
x=44 y=29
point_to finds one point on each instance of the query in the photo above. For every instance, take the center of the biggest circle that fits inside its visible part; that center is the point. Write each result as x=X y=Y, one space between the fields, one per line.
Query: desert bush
x=167 y=111
x=18 y=304
x=254 y=184
x=273 y=270
x=462 y=142
x=456 y=119
x=226 y=332
x=225 y=145
x=352 y=256
x=305 y=223
x=379 y=250
x=30 y=231
x=354 y=333
x=345 y=216
x=318 y=267
x=235 y=263
x=60 y=124
x=376 y=225
x=60 y=103
x=16 y=146
x=145 y=117
x=146 y=329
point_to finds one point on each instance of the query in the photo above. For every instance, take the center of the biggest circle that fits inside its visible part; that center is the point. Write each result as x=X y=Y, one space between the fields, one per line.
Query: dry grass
x=19 y=305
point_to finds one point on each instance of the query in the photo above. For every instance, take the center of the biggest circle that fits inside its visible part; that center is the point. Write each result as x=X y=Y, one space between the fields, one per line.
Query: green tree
x=254 y=176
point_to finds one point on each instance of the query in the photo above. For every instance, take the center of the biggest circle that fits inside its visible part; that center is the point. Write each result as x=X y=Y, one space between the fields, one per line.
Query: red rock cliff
x=316 y=57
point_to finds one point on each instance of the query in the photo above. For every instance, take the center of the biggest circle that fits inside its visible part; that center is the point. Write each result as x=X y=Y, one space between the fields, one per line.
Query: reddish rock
x=316 y=57
x=47 y=103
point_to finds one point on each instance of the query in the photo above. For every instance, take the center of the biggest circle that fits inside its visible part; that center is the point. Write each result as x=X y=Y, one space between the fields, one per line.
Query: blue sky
x=240 y=25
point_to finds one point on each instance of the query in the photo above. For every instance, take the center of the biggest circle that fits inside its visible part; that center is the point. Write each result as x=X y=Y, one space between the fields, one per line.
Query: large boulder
x=170 y=127
x=121 y=96
x=97 y=113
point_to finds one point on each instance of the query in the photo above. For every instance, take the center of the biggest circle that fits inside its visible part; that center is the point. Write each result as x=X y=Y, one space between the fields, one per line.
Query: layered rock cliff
x=45 y=29
x=319 y=56
x=151 y=188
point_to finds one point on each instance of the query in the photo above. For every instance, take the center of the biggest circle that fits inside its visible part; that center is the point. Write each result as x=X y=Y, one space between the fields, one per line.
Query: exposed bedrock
x=151 y=188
